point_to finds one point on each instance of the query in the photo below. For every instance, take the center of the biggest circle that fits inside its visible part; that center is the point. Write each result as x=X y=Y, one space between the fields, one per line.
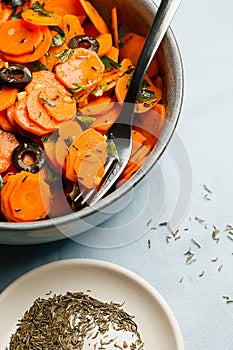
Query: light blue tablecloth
x=193 y=288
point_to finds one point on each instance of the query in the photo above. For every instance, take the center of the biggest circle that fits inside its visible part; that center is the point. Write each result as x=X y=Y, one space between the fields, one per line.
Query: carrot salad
x=64 y=74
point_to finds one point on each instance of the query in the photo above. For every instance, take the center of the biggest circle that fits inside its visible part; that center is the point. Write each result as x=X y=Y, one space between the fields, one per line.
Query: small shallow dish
x=107 y=282
x=136 y=16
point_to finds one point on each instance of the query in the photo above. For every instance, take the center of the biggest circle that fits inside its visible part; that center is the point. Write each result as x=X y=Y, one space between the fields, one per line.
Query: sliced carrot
x=19 y=37
x=21 y=117
x=150 y=124
x=131 y=49
x=51 y=60
x=89 y=140
x=89 y=170
x=82 y=71
x=94 y=16
x=8 y=143
x=59 y=106
x=115 y=27
x=10 y=117
x=5 y=123
x=104 y=121
x=31 y=198
x=97 y=106
x=7 y=97
x=126 y=68
x=49 y=148
x=71 y=26
x=68 y=132
x=105 y=44
x=38 y=114
x=34 y=17
x=138 y=139
x=44 y=79
x=61 y=8
x=113 y=54
x=39 y=52
x=6 y=192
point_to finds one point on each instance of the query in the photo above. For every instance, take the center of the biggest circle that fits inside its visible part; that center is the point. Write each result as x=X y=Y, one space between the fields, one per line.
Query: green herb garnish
x=38 y=66
x=48 y=102
x=39 y=8
x=145 y=95
x=58 y=40
x=85 y=120
x=109 y=63
x=64 y=55
x=57 y=29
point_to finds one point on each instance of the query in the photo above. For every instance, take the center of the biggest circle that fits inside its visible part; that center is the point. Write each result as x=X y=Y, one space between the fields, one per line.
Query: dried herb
x=215 y=234
x=73 y=321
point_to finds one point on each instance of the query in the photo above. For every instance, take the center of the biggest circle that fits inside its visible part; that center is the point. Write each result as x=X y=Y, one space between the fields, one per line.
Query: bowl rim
x=126 y=187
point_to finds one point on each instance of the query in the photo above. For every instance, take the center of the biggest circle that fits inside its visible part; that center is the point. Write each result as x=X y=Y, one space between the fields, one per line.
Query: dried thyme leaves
x=75 y=321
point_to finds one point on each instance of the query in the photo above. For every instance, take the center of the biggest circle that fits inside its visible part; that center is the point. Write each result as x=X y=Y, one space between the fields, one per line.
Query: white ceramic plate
x=107 y=282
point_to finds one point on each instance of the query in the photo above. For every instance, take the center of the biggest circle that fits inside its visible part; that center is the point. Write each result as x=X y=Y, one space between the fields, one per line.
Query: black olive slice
x=85 y=41
x=14 y=2
x=20 y=153
x=15 y=76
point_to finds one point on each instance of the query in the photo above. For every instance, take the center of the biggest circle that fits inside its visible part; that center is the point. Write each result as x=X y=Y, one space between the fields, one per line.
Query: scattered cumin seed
x=181 y=280
x=207 y=189
x=214 y=259
x=149 y=243
x=220 y=268
x=201 y=274
x=149 y=222
x=164 y=223
x=200 y=220
x=196 y=243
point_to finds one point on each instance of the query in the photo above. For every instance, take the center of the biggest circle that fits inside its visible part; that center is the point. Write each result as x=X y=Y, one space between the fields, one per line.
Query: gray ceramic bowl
x=137 y=16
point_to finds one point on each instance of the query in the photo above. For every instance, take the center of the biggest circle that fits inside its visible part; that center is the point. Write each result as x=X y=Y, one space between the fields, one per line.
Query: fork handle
x=164 y=15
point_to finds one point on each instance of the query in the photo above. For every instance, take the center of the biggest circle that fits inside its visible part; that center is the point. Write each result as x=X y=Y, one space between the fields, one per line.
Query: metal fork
x=121 y=131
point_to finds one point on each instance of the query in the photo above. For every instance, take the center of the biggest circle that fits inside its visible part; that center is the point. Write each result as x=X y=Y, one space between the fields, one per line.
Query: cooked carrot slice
x=44 y=79
x=21 y=117
x=115 y=27
x=31 y=198
x=97 y=106
x=126 y=68
x=68 y=132
x=51 y=60
x=82 y=71
x=51 y=19
x=59 y=106
x=105 y=44
x=150 y=124
x=6 y=192
x=5 y=123
x=39 y=52
x=94 y=16
x=8 y=143
x=88 y=170
x=89 y=140
x=7 y=97
x=137 y=141
x=49 y=148
x=113 y=54
x=10 y=117
x=19 y=37
x=104 y=121
x=38 y=114
x=71 y=26
x=131 y=49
